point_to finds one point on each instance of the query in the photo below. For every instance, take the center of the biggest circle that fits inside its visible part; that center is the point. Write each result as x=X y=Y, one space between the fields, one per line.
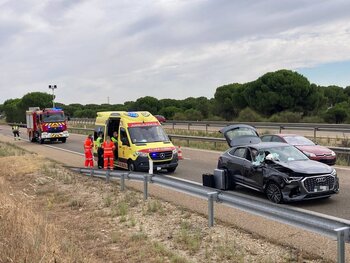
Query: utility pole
x=53 y=87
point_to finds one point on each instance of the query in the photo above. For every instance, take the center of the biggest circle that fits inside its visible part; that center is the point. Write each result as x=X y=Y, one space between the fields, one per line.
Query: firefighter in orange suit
x=88 y=145
x=108 y=148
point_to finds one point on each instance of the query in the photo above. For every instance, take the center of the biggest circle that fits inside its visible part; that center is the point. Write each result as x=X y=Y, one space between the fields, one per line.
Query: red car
x=310 y=149
x=160 y=118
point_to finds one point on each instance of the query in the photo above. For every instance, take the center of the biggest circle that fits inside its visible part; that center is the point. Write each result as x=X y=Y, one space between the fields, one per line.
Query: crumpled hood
x=307 y=167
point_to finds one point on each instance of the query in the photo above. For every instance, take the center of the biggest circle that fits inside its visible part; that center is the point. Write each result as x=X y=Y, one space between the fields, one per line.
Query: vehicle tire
x=171 y=170
x=63 y=140
x=32 y=138
x=131 y=166
x=41 y=141
x=274 y=193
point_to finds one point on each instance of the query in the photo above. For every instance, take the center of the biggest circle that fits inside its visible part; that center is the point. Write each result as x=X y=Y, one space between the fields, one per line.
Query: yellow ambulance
x=140 y=138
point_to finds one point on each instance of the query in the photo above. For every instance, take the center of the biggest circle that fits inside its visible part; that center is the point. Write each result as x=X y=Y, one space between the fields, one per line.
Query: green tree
x=193 y=115
x=279 y=91
x=229 y=100
x=337 y=114
x=334 y=95
x=248 y=115
x=147 y=103
x=12 y=111
x=169 y=112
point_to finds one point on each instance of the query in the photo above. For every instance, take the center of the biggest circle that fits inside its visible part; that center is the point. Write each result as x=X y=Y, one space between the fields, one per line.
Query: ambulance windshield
x=53 y=116
x=145 y=134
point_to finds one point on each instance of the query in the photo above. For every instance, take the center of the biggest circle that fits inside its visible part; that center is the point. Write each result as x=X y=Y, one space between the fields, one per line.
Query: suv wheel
x=274 y=193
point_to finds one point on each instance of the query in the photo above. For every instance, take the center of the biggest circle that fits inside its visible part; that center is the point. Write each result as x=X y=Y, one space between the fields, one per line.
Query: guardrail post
x=211 y=197
x=107 y=176
x=150 y=170
x=122 y=182
x=341 y=234
x=91 y=171
x=145 y=187
x=189 y=124
x=281 y=128
x=315 y=130
x=206 y=128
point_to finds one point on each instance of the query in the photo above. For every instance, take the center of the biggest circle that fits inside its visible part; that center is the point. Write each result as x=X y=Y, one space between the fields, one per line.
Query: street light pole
x=53 y=87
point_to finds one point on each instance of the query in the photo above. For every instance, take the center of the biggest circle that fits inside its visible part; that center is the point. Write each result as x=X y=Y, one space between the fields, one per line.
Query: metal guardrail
x=338 y=150
x=315 y=127
x=335 y=228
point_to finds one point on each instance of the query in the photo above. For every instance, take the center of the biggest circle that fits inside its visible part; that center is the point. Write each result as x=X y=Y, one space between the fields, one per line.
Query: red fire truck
x=46 y=125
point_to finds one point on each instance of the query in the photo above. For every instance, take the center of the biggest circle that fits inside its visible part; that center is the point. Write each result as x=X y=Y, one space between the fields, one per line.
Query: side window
x=240 y=152
x=266 y=138
x=276 y=139
x=124 y=137
x=251 y=154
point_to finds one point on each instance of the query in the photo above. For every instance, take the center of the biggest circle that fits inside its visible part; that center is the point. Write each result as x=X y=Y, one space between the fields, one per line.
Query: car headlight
x=334 y=172
x=291 y=179
x=308 y=154
x=141 y=154
x=333 y=153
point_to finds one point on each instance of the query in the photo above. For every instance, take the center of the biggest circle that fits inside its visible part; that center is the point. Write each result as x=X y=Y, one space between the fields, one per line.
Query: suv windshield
x=282 y=154
x=298 y=140
x=53 y=116
x=144 y=134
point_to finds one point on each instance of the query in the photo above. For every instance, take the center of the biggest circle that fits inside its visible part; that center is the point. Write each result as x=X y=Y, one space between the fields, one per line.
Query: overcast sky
x=127 y=49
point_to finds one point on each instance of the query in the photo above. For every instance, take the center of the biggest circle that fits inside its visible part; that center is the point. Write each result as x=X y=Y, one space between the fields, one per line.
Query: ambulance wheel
x=63 y=140
x=131 y=166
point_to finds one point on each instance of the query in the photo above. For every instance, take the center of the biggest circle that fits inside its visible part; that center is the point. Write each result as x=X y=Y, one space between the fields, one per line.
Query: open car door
x=240 y=134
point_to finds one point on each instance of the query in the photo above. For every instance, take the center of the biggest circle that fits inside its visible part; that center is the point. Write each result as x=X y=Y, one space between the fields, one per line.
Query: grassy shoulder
x=49 y=214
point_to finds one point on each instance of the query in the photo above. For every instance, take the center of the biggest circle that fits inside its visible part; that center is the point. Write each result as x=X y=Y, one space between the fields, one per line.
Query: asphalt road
x=197 y=162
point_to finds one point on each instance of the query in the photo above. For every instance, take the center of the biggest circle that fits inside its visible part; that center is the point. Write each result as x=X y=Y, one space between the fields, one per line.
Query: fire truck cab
x=46 y=125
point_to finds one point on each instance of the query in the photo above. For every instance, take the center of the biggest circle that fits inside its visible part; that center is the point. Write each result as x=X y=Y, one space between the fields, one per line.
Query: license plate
x=321 y=188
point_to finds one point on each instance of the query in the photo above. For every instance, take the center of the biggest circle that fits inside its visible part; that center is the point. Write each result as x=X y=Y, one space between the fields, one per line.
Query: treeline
x=281 y=96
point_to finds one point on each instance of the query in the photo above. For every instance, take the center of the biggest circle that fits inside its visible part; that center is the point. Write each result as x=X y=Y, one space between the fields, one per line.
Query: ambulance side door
x=124 y=147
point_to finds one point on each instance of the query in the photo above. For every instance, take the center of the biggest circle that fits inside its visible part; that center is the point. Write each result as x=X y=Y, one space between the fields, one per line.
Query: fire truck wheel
x=63 y=140
x=41 y=141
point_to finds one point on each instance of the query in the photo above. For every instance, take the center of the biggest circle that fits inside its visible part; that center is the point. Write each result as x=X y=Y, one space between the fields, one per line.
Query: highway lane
x=197 y=162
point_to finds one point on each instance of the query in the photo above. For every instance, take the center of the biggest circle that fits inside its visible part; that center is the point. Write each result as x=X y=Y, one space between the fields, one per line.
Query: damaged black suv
x=278 y=169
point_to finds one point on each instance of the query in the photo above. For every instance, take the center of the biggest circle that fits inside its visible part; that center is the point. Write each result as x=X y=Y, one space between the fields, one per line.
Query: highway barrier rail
x=335 y=228
x=315 y=127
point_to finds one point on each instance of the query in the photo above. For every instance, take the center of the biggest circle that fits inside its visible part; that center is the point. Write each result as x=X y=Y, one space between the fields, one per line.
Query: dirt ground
x=50 y=214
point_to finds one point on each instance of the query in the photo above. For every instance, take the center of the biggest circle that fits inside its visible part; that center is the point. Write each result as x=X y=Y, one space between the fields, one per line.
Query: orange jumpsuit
x=108 y=148
x=88 y=144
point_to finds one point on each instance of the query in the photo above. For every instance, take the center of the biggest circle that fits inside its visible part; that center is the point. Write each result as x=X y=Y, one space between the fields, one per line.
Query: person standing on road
x=88 y=144
x=15 y=131
x=98 y=145
x=108 y=156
